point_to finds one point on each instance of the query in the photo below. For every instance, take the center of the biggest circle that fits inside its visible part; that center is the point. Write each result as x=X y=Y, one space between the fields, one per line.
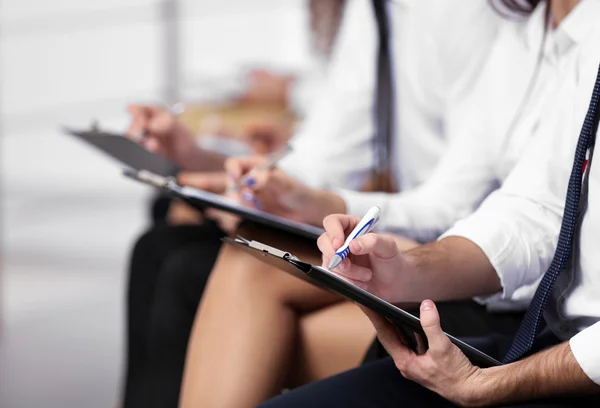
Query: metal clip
x=272 y=251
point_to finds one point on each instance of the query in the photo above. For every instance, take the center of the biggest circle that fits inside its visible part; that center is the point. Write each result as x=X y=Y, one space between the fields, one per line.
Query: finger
x=213 y=182
x=161 y=122
x=380 y=245
x=353 y=272
x=337 y=226
x=152 y=145
x=237 y=167
x=430 y=321
x=138 y=122
x=326 y=245
x=256 y=179
x=388 y=336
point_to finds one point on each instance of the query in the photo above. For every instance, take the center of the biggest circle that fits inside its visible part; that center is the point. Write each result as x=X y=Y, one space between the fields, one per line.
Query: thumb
x=430 y=321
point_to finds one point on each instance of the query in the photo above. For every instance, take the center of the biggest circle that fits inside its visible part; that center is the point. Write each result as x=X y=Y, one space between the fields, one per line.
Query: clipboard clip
x=266 y=248
x=156 y=180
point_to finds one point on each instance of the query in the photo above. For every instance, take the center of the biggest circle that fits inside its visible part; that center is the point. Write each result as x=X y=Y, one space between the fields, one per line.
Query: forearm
x=321 y=204
x=552 y=372
x=451 y=269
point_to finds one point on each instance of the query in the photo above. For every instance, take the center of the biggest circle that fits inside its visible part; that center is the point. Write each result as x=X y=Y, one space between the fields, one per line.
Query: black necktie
x=384 y=98
x=530 y=327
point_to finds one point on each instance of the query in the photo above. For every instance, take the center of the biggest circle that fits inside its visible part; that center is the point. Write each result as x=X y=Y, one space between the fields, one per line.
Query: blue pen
x=364 y=226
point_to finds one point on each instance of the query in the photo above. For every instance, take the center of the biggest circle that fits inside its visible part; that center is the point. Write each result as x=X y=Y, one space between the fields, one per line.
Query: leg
x=178 y=292
x=330 y=341
x=378 y=384
x=148 y=256
x=245 y=330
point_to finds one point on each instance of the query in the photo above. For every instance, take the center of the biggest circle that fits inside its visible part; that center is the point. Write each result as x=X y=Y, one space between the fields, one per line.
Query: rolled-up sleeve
x=584 y=347
x=517 y=226
x=517 y=236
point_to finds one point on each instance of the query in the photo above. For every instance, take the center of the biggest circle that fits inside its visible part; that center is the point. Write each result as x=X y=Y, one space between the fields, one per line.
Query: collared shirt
x=333 y=148
x=517 y=227
x=488 y=127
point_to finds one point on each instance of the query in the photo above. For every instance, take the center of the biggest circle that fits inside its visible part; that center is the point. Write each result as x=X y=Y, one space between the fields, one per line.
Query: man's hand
x=442 y=368
x=273 y=191
x=375 y=263
x=159 y=131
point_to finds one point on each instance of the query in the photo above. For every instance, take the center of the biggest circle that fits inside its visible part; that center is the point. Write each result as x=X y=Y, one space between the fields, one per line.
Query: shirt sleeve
x=460 y=181
x=517 y=226
x=333 y=146
x=584 y=346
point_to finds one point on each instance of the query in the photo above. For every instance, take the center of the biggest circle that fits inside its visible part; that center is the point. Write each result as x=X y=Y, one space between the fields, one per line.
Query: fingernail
x=258 y=204
x=427 y=305
x=247 y=196
x=356 y=246
x=249 y=181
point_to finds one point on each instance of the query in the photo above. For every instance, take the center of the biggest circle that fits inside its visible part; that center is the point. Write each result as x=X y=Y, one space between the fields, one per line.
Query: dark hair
x=514 y=8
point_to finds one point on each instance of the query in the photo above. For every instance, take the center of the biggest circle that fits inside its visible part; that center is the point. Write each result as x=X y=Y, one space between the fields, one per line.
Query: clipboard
x=125 y=151
x=407 y=324
x=201 y=199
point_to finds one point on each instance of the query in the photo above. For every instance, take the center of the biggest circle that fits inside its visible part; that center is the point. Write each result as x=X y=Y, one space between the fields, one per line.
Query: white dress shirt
x=333 y=148
x=488 y=127
x=517 y=226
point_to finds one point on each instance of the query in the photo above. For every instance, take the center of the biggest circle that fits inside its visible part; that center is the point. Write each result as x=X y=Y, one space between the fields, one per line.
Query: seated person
x=153 y=357
x=257 y=309
x=524 y=232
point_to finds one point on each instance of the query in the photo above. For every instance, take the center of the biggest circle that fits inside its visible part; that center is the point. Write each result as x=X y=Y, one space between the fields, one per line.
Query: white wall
x=68 y=218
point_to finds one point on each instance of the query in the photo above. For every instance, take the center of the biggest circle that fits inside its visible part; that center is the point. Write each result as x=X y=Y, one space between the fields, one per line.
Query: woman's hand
x=159 y=131
x=375 y=263
x=273 y=191
x=214 y=182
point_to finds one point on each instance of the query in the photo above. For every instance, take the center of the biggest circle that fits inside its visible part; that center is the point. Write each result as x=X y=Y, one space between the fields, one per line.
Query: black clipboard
x=405 y=322
x=126 y=151
x=203 y=199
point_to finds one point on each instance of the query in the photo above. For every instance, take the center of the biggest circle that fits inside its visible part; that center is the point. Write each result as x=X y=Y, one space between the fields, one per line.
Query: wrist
x=483 y=389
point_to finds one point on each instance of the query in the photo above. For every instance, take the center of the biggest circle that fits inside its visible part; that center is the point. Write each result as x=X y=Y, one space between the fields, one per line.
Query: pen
x=364 y=226
x=271 y=163
x=176 y=110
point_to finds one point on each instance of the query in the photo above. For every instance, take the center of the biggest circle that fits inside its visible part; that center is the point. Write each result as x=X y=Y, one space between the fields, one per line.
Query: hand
x=274 y=191
x=266 y=137
x=213 y=182
x=156 y=129
x=375 y=263
x=442 y=368
x=267 y=87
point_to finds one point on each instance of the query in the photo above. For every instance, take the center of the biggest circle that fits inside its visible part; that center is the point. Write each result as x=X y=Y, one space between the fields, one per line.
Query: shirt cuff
x=584 y=347
x=496 y=245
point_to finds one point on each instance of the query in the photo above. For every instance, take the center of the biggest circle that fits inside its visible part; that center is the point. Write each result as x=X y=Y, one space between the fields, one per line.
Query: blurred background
x=68 y=217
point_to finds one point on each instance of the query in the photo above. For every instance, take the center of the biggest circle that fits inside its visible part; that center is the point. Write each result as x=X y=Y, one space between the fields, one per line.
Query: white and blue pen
x=364 y=226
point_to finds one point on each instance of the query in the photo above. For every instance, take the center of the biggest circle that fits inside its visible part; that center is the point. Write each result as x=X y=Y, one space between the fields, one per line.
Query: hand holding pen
x=157 y=129
x=371 y=261
x=257 y=182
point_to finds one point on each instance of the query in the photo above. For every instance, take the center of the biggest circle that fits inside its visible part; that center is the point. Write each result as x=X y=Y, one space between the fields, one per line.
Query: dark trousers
x=379 y=384
x=168 y=272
